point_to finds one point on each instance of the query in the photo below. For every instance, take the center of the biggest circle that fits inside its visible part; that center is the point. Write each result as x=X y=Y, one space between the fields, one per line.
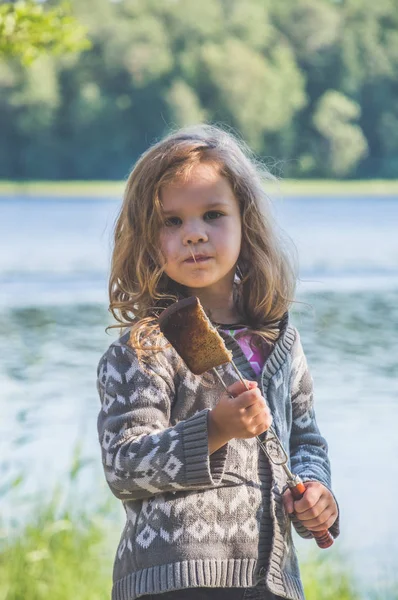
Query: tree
x=257 y=94
x=342 y=144
x=29 y=29
x=311 y=83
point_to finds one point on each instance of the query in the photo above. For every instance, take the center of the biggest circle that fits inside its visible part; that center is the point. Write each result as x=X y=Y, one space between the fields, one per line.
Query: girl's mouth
x=198 y=259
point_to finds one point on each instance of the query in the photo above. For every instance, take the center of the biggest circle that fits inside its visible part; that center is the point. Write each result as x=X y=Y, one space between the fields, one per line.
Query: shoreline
x=288 y=187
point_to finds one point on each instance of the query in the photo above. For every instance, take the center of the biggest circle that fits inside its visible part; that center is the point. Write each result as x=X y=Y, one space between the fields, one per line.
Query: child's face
x=201 y=217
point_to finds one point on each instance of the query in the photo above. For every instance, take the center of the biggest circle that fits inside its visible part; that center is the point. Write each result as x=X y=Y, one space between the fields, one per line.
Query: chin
x=196 y=285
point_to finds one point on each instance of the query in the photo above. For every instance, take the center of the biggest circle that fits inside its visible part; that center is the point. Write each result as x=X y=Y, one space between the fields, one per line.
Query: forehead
x=203 y=185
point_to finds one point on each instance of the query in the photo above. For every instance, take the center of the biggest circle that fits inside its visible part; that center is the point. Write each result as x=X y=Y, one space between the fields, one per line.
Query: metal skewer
x=323 y=538
x=178 y=335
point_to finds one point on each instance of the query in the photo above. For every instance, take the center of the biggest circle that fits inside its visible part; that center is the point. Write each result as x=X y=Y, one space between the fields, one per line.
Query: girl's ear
x=241 y=267
x=238 y=272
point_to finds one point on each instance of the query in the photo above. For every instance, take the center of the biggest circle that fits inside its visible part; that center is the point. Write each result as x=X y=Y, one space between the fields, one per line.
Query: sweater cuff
x=201 y=468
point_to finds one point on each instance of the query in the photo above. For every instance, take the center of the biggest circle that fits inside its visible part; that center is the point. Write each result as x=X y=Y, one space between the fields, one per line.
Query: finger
x=262 y=419
x=312 y=496
x=249 y=398
x=258 y=408
x=238 y=387
x=323 y=513
x=288 y=501
x=311 y=515
x=323 y=521
x=260 y=425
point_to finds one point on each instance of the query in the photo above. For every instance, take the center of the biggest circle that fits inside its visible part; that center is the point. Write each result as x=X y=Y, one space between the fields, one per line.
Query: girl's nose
x=194 y=237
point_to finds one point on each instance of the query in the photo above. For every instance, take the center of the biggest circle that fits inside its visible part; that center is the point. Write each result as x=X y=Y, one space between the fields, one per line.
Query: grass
x=59 y=557
x=328 y=187
x=62 y=550
x=65 y=551
x=328 y=579
x=65 y=189
x=65 y=555
x=106 y=189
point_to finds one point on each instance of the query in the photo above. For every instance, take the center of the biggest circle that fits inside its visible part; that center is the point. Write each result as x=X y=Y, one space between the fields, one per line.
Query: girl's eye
x=171 y=221
x=213 y=214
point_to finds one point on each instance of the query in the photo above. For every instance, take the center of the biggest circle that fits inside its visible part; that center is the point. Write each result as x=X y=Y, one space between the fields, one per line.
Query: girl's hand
x=317 y=509
x=243 y=416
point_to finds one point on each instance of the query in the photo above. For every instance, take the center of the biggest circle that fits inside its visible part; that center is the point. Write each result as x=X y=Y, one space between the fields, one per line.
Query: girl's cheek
x=162 y=241
x=166 y=245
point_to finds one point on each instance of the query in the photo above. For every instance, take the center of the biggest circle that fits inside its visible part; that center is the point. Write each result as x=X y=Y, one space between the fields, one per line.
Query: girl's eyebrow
x=206 y=207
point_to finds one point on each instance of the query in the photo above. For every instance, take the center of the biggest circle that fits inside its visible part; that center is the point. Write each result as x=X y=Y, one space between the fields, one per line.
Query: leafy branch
x=29 y=29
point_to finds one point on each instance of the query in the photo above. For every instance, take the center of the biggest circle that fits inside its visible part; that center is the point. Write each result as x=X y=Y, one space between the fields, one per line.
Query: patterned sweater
x=194 y=519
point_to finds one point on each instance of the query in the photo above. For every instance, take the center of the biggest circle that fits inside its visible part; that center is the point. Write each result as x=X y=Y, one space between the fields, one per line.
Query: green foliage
x=344 y=144
x=65 y=545
x=150 y=57
x=65 y=550
x=312 y=27
x=311 y=83
x=184 y=105
x=233 y=67
x=326 y=578
x=28 y=30
x=58 y=556
x=61 y=548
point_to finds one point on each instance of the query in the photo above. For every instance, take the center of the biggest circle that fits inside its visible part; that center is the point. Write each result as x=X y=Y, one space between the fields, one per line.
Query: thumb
x=238 y=387
x=288 y=501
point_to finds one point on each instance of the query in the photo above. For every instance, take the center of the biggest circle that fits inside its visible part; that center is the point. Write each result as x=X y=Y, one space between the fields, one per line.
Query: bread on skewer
x=189 y=330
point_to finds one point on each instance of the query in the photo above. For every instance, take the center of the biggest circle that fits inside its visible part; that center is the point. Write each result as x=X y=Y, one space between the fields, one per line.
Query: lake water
x=54 y=257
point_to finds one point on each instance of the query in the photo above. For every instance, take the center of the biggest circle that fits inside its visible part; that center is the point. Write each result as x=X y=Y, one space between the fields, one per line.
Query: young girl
x=205 y=509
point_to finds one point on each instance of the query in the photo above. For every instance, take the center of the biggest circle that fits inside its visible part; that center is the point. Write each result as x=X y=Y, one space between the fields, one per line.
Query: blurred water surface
x=54 y=258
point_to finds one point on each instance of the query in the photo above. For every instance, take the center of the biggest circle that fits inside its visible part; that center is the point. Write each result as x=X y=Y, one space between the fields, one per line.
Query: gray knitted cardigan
x=194 y=519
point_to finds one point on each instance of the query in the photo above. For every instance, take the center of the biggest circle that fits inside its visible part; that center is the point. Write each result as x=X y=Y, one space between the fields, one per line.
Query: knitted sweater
x=194 y=519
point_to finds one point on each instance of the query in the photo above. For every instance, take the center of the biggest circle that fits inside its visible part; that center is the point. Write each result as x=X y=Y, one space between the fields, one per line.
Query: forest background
x=310 y=85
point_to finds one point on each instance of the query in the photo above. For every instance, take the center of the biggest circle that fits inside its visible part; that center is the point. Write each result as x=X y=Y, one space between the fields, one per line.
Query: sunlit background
x=311 y=85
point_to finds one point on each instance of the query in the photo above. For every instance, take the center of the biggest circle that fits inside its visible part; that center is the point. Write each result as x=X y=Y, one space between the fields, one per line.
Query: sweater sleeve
x=142 y=454
x=308 y=449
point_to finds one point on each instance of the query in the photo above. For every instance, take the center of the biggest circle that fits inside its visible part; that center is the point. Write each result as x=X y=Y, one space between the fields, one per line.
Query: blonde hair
x=139 y=289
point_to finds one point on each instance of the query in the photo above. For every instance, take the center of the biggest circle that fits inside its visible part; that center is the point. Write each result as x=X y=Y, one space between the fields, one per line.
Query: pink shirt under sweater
x=256 y=356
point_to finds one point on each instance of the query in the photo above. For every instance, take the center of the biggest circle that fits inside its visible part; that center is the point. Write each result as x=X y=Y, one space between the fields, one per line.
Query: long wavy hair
x=139 y=288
